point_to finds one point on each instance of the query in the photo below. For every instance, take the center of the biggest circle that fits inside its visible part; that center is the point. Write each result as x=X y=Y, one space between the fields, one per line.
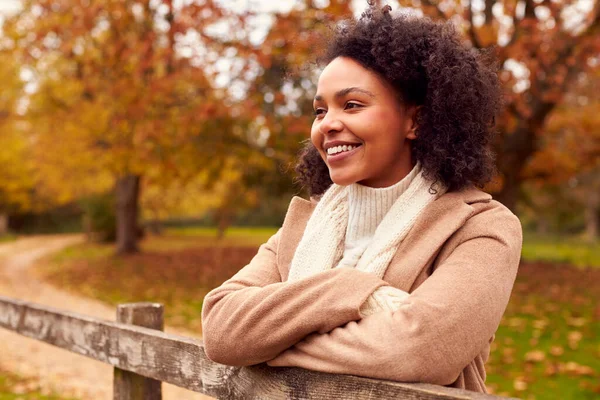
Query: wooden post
x=128 y=385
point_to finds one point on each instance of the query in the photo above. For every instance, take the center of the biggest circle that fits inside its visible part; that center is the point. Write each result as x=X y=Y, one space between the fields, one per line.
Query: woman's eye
x=319 y=112
x=351 y=105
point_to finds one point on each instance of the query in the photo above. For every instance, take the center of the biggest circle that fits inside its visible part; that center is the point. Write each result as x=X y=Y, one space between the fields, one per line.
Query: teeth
x=339 y=149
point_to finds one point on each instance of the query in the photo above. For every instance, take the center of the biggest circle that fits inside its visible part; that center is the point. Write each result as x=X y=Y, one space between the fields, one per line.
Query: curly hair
x=456 y=89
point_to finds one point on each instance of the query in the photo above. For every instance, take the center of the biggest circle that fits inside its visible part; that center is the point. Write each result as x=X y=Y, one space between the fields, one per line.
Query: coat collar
x=436 y=224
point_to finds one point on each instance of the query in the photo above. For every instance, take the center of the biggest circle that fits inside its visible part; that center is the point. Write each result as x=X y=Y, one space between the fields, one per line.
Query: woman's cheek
x=315 y=135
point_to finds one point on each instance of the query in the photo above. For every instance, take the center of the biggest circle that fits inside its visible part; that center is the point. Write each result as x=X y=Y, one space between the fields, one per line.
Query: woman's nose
x=330 y=123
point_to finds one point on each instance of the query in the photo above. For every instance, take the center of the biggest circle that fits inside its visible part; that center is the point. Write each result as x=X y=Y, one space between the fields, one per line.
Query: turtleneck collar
x=367 y=206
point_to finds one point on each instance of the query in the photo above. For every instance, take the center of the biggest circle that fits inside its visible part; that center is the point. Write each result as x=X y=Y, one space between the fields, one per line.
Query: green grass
x=253 y=236
x=547 y=345
x=9 y=237
x=564 y=250
x=13 y=387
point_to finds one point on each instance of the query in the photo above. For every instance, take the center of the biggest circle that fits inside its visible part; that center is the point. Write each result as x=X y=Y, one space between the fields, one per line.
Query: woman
x=402 y=269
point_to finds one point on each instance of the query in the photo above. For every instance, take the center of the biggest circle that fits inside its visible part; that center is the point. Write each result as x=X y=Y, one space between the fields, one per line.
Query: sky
x=9 y=6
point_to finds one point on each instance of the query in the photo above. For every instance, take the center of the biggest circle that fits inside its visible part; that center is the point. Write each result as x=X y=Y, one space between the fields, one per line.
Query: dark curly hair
x=427 y=63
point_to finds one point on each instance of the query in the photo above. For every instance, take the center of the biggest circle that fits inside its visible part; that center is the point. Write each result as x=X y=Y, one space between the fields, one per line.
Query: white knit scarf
x=322 y=244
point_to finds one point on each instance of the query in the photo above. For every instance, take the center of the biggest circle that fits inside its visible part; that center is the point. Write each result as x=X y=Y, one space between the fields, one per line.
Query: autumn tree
x=16 y=181
x=122 y=86
x=566 y=169
x=541 y=46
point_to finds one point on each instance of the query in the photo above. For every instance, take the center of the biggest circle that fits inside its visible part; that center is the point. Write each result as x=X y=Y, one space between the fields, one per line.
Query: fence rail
x=144 y=356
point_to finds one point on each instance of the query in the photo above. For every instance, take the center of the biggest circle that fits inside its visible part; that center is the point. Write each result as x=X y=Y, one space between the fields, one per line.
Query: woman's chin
x=342 y=179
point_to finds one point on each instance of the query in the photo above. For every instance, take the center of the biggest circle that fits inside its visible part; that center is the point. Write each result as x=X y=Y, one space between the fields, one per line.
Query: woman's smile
x=342 y=155
x=338 y=151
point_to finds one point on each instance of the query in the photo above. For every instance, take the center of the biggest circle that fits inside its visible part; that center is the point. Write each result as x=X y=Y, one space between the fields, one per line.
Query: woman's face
x=360 y=129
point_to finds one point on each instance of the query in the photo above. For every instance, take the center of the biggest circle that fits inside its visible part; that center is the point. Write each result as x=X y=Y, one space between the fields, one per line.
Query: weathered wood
x=129 y=385
x=182 y=361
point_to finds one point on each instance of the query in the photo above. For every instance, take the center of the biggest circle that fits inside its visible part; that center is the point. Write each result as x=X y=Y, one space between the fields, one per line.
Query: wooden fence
x=144 y=356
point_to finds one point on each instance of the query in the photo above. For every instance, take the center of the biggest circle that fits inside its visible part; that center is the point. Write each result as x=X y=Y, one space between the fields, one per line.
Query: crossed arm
x=254 y=316
x=315 y=323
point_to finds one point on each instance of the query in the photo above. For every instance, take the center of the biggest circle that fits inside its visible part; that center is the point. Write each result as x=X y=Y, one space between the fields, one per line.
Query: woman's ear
x=412 y=114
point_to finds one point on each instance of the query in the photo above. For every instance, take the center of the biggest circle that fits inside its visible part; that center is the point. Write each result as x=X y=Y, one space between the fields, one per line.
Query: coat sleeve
x=254 y=316
x=441 y=327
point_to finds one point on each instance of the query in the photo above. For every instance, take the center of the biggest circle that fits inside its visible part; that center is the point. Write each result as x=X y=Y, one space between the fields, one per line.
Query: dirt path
x=67 y=373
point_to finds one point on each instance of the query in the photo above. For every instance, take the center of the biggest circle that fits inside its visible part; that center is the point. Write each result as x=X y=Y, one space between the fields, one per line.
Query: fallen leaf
x=519 y=384
x=529 y=309
x=551 y=370
x=578 y=369
x=573 y=338
x=557 y=351
x=535 y=356
x=516 y=322
x=577 y=322
x=540 y=323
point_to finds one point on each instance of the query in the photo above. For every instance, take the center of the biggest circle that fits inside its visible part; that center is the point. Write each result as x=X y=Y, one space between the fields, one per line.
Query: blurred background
x=147 y=149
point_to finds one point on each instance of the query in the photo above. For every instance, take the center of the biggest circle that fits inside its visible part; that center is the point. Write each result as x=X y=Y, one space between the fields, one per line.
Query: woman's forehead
x=343 y=73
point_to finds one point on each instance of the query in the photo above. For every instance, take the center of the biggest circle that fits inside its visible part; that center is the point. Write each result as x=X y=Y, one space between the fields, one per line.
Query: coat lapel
x=432 y=229
x=292 y=230
x=440 y=220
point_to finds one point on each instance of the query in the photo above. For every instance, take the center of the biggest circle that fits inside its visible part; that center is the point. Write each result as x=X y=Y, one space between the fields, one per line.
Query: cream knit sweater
x=366 y=209
x=360 y=227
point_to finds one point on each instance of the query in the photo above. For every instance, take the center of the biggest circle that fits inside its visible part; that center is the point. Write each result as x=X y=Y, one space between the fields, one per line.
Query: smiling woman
x=398 y=267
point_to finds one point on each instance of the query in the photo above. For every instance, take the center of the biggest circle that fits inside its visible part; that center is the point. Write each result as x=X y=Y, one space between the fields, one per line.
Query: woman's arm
x=254 y=316
x=441 y=326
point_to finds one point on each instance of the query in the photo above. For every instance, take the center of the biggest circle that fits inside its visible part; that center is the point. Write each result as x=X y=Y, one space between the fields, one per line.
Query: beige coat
x=459 y=263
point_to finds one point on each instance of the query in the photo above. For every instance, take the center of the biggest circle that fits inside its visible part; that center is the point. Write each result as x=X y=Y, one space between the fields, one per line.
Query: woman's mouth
x=339 y=153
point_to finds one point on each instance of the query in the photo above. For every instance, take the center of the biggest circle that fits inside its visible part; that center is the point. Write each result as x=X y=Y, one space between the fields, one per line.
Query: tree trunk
x=224 y=220
x=516 y=148
x=127 y=196
x=3 y=224
x=542 y=227
x=511 y=190
x=592 y=217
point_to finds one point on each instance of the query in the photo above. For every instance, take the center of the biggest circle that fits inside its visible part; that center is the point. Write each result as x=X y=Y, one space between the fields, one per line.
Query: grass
x=547 y=342
x=565 y=250
x=176 y=269
x=13 y=387
x=9 y=237
x=546 y=346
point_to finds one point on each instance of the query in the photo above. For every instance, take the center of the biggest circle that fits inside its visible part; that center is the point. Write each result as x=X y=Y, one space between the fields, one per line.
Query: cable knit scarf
x=322 y=244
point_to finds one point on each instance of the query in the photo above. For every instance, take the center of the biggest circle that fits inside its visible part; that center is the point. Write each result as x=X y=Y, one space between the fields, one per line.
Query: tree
x=119 y=91
x=16 y=182
x=568 y=162
x=541 y=46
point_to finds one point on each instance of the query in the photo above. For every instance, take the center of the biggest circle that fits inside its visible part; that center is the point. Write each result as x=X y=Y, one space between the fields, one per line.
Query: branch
x=489 y=16
x=529 y=9
x=518 y=23
x=471 y=31
x=512 y=108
